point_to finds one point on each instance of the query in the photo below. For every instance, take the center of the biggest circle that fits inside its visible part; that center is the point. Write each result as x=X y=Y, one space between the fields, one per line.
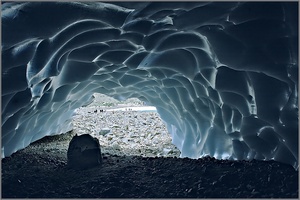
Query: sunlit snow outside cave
x=222 y=77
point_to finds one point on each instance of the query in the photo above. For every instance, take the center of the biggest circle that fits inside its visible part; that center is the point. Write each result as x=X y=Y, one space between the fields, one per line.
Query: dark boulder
x=84 y=152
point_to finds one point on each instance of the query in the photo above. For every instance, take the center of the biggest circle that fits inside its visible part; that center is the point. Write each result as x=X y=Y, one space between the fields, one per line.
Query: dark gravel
x=40 y=173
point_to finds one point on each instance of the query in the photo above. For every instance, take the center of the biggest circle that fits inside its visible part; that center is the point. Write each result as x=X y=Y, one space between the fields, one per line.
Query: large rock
x=84 y=152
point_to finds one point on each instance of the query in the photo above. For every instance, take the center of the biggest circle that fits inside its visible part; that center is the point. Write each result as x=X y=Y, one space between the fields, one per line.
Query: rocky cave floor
x=40 y=171
x=154 y=169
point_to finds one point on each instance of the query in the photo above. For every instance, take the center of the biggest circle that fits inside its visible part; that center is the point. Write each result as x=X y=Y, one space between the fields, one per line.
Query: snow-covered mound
x=222 y=75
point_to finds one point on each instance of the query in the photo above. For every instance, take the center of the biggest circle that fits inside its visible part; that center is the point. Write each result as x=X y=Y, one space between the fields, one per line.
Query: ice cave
x=222 y=75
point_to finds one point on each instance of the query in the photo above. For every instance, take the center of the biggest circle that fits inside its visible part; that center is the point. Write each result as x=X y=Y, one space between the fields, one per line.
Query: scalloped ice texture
x=223 y=76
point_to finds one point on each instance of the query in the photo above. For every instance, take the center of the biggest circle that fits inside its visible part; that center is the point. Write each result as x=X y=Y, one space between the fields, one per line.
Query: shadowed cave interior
x=223 y=76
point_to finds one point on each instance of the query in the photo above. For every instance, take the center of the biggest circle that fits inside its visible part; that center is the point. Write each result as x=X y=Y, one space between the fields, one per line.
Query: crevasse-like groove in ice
x=223 y=76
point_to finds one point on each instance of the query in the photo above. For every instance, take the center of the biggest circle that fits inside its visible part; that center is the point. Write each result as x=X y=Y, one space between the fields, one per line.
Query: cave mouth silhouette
x=176 y=56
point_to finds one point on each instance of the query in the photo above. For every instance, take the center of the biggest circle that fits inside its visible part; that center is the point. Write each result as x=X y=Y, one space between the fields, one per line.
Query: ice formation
x=222 y=75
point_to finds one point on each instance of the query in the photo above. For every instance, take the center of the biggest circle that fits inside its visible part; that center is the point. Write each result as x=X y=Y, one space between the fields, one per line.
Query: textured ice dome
x=223 y=75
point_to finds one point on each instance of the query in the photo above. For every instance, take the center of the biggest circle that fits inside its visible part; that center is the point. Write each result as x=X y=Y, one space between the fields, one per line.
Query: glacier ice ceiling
x=222 y=75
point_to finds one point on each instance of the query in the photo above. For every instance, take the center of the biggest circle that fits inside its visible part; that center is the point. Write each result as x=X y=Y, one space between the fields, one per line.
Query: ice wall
x=223 y=76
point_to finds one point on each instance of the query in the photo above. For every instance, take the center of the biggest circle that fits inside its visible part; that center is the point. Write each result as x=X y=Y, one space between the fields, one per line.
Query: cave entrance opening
x=125 y=128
